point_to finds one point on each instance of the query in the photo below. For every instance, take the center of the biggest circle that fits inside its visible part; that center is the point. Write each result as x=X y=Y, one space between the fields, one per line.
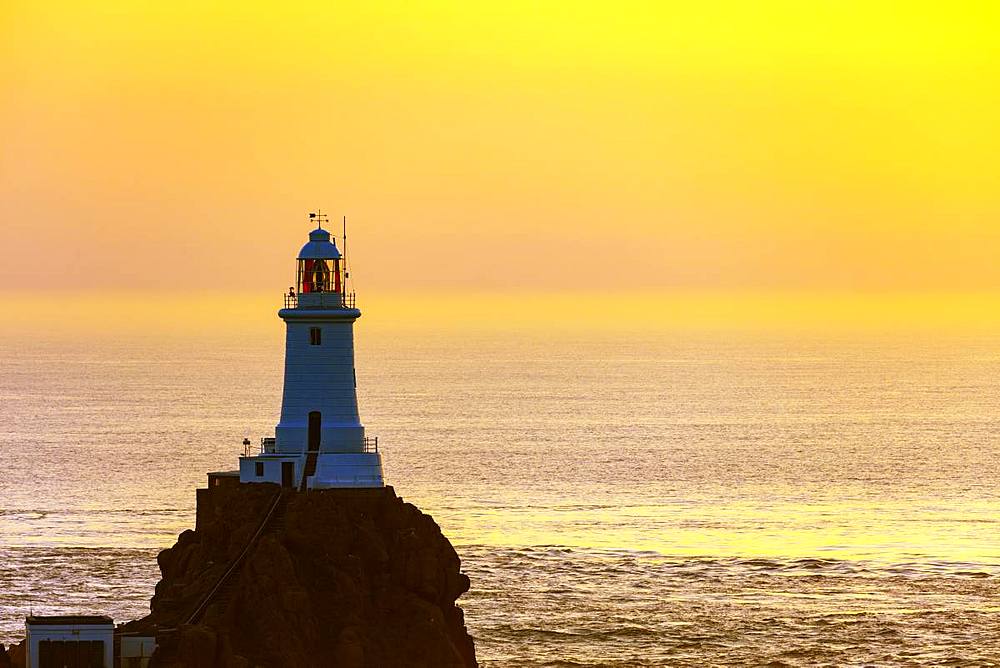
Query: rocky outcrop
x=352 y=578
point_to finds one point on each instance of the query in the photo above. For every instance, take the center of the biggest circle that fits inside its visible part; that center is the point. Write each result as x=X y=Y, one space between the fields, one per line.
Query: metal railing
x=267 y=445
x=347 y=300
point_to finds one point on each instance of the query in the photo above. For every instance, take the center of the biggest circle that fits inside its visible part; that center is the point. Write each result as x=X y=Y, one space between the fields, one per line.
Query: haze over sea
x=619 y=496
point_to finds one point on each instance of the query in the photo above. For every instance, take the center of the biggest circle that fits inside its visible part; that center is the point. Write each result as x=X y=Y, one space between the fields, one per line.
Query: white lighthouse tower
x=319 y=441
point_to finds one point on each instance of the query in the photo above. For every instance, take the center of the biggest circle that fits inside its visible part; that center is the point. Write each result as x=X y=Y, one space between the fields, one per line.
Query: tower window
x=259 y=468
x=315 y=336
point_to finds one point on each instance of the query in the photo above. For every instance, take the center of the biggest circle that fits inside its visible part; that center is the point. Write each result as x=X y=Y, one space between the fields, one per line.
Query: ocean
x=655 y=498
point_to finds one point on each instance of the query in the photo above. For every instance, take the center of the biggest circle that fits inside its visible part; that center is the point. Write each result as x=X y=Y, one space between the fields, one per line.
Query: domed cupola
x=320 y=247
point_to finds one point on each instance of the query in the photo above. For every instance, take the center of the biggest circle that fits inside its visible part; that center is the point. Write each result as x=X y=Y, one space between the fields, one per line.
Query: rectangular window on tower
x=315 y=336
x=259 y=469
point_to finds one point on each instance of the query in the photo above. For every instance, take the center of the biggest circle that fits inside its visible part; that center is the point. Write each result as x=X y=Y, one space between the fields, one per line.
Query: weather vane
x=319 y=217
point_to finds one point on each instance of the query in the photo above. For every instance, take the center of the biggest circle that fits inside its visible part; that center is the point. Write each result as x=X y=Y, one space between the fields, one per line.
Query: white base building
x=70 y=641
x=333 y=469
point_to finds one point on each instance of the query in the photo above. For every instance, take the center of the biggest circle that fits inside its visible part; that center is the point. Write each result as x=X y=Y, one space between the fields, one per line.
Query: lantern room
x=320 y=265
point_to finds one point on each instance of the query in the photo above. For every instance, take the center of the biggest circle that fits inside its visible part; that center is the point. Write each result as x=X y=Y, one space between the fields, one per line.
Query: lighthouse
x=319 y=441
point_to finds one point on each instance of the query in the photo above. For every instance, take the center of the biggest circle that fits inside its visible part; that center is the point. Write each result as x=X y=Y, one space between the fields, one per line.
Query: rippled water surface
x=618 y=500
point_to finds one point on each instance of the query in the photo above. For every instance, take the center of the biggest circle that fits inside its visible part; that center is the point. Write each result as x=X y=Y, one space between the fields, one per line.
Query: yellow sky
x=526 y=146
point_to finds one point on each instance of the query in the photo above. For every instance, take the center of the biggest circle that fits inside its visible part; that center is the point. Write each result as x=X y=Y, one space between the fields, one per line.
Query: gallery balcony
x=320 y=300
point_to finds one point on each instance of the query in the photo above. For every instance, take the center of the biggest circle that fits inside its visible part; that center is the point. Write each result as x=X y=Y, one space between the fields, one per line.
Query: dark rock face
x=4 y=657
x=353 y=578
x=15 y=657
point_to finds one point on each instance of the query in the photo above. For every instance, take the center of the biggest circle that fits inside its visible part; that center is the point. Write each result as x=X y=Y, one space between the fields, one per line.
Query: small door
x=315 y=425
x=287 y=474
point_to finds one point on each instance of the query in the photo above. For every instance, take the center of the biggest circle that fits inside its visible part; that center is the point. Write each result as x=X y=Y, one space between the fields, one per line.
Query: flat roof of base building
x=67 y=620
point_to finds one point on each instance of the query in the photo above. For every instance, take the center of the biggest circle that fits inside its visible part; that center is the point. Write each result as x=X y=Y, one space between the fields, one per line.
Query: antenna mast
x=347 y=273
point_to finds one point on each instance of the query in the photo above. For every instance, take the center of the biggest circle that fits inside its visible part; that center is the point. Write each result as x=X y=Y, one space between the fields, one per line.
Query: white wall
x=320 y=378
x=347 y=470
x=272 y=468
